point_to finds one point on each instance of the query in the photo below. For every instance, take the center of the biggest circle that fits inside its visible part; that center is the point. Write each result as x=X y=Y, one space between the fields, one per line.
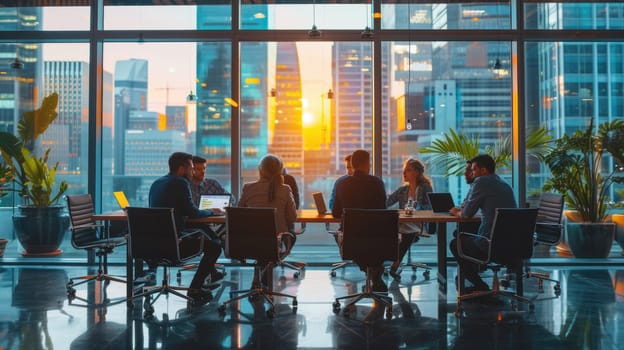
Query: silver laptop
x=209 y=201
x=441 y=202
x=319 y=201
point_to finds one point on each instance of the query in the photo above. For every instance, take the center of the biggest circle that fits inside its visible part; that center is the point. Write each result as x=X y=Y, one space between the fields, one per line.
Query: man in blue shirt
x=488 y=192
x=173 y=191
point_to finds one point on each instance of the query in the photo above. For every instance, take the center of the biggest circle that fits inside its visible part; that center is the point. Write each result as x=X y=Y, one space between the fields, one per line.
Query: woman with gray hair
x=414 y=191
x=269 y=191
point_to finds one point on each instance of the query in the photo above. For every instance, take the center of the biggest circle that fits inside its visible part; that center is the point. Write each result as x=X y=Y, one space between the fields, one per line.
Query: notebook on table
x=121 y=199
x=441 y=202
x=210 y=201
x=319 y=201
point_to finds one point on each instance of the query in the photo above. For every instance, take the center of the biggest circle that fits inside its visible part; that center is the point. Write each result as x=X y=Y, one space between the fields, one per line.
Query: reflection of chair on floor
x=87 y=235
x=369 y=237
x=548 y=231
x=510 y=242
x=252 y=234
x=155 y=239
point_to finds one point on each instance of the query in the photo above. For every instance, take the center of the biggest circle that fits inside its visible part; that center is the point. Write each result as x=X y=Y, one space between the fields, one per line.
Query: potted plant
x=40 y=223
x=577 y=171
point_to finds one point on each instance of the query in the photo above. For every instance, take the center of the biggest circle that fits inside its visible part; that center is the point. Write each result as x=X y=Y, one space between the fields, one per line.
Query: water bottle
x=409 y=207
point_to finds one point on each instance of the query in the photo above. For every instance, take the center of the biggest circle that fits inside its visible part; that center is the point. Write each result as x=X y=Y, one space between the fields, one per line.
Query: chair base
x=541 y=277
x=496 y=291
x=297 y=266
x=263 y=291
x=99 y=277
x=164 y=289
x=381 y=298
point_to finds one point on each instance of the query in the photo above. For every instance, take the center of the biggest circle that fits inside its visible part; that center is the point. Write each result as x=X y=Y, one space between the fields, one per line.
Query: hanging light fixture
x=367 y=33
x=191 y=98
x=314 y=32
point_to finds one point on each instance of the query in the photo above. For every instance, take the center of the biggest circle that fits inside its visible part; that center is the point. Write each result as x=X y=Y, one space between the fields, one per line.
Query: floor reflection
x=35 y=314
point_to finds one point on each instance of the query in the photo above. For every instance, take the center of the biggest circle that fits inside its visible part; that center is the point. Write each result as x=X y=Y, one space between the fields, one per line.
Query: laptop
x=441 y=202
x=319 y=201
x=121 y=199
x=209 y=201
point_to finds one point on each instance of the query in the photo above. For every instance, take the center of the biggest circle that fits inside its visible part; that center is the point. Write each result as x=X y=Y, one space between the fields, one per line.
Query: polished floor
x=35 y=314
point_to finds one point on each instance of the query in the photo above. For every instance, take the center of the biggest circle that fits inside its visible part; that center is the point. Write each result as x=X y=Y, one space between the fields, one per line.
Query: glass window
x=398 y=14
x=340 y=15
x=563 y=100
x=209 y=15
x=574 y=15
x=310 y=105
x=23 y=16
x=431 y=88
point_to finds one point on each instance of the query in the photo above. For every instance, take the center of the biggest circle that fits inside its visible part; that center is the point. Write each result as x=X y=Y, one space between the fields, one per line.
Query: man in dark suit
x=173 y=191
x=363 y=191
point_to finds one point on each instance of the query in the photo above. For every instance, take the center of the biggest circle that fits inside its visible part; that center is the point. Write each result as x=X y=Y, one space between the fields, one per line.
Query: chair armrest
x=190 y=233
x=468 y=257
x=89 y=226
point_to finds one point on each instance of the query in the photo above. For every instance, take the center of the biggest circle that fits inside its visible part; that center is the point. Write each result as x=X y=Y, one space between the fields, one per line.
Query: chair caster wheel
x=165 y=317
x=557 y=290
x=295 y=303
x=413 y=278
x=296 y=275
x=336 y=307
x=71 y=294
x=221 y=310
x=179 y=275
x=270 y=313
x=70 y=284
x=333 y=273
x=427 y=275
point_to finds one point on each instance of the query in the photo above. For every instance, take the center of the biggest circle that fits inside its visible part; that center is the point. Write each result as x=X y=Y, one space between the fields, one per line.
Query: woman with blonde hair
x=269 y=191
x=415 y=189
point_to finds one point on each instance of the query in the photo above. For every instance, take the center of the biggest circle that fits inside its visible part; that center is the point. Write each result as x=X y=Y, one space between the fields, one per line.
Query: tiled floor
x=35 y=314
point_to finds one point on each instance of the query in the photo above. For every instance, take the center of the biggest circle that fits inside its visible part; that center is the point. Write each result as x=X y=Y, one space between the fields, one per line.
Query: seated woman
x=415 y=189
x=269 y=191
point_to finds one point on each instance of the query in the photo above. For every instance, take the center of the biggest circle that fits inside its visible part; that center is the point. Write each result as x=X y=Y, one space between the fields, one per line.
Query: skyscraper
x=130 y=95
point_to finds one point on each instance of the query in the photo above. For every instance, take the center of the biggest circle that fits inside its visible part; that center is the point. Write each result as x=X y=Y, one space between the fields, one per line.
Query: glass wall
x=310 y=81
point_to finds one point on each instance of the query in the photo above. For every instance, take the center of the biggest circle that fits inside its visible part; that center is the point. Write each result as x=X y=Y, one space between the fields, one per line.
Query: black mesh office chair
x=90 y=236
x=369 y=237
x=548 y=231
x=509 y=244
x=252 y=235
x=155 y=239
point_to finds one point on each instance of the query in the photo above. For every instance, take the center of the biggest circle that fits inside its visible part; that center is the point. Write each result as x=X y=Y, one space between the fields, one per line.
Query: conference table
x=312 y=216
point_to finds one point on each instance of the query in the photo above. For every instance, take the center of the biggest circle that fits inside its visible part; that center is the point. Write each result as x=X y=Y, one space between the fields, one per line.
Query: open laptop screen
x=319 y=201
x=209 y=201
x=121 y=199
x=441 y=202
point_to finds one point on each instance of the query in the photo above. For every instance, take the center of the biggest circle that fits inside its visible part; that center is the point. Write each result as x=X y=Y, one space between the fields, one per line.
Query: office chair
x=87 y=235
x=369 y=237
x=252 y=235
x=548 y=231
x=509 y=244
x=155 y=239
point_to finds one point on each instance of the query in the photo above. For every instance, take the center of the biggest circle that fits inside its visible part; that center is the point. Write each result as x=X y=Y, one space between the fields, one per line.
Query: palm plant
x=453 y=150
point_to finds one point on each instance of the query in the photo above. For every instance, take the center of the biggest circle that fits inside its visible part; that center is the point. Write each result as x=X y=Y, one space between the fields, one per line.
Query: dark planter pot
x=590 y=240
x=41 y=230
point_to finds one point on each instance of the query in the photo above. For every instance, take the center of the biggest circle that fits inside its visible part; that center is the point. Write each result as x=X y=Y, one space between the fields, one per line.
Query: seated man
x=363 y=191
x=173 y=191
x=487 y=193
